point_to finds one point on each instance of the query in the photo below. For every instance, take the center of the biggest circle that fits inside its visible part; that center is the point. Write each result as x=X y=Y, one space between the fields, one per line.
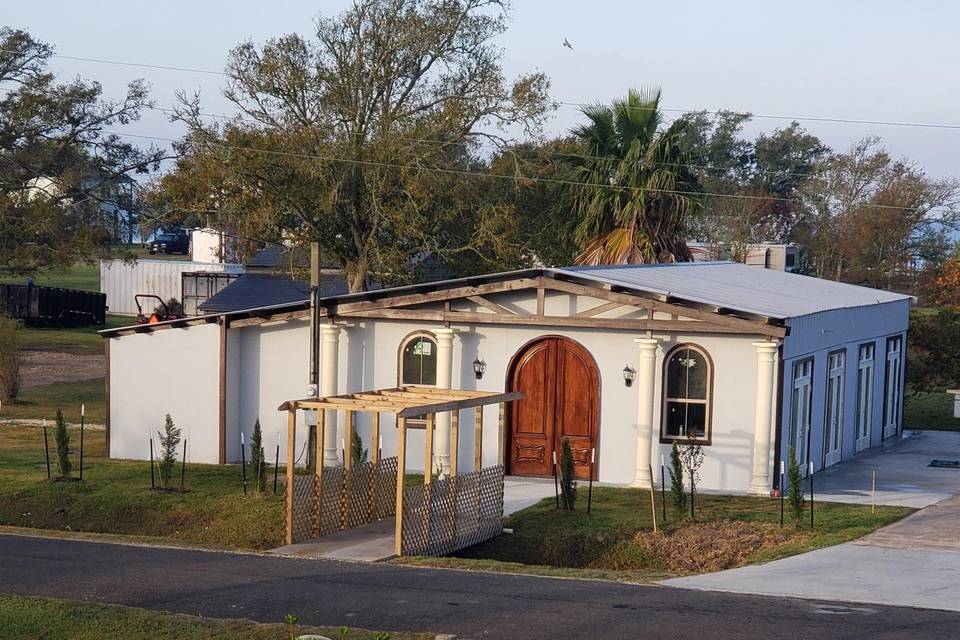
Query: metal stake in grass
x=183 y=464
x=873 y=493
x=653 y=501
x=152 y=481
x=663 y=489
x=276 y=465
x=82 y=412
x=593 y=453
x=556 y=484
x=810 y=468
x=46 y=447
x=781 y=494
x=243 y=463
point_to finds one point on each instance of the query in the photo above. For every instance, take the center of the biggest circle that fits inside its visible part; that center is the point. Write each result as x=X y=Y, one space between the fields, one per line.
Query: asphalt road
x=471 y=605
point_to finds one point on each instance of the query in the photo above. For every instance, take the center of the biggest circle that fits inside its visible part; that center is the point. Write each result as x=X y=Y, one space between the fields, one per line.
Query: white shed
x=621 y=361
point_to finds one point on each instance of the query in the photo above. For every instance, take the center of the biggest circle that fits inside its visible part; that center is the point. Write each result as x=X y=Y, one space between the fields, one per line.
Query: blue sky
x=875 y=60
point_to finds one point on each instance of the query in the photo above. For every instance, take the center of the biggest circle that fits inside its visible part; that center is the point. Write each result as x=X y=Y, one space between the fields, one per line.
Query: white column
x=444 y=381
x=329 y=356
x=766 y=359
x=646 y=380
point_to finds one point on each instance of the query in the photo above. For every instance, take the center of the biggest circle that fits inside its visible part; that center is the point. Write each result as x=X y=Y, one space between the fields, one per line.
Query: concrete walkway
x=375 y=541
x=914 y=562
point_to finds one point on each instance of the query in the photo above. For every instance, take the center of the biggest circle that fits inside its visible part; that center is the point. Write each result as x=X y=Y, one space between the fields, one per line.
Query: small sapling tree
x=691 y=455
x=677 y=494
x=62 y=437
x=258 y=459
x=795 y=486
x=568 y=486
x=169 y=443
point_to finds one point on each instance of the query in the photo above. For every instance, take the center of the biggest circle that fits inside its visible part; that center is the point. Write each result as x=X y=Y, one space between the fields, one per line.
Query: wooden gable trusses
x=410 y=307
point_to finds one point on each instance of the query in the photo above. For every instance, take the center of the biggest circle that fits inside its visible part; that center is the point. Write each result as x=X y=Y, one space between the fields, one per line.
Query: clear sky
x=859 y=59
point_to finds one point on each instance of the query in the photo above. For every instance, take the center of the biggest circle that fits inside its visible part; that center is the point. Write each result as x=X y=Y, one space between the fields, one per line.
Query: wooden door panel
x=560 y=383
x=531 y=420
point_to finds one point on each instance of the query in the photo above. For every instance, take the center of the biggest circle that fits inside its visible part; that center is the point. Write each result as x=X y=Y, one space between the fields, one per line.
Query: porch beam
x=595 y=311
x=466 y=403
x=492 y=306
x=431 y=296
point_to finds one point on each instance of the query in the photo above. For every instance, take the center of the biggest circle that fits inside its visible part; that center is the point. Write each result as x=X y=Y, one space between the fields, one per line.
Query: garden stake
x=873 y=493
x=243 y=463
x=811 y=493
x=152 y=484
x=183 y=463
x=653 y=501
x=276 y=467
x=691 y=495
x=590 y=486
x=556 y=485
x=781 y=494
x=82 y=411
x=46 y=446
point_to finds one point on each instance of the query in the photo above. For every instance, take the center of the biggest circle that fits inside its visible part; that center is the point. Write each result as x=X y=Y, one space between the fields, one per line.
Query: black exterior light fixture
x=479 y=366
x=629 y=373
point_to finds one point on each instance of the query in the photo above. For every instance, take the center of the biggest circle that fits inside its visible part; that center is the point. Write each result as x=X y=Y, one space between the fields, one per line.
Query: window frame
x=801 y=376
x=707 y=438
x=866 y=383
x=836 y=381
x=897 y=398
x=410 y=337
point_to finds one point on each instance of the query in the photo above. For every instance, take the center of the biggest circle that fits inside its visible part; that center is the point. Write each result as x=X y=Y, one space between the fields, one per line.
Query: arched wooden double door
x=561 y=399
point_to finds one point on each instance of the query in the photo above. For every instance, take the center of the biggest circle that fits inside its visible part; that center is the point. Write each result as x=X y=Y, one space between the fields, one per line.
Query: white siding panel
x=121 y=281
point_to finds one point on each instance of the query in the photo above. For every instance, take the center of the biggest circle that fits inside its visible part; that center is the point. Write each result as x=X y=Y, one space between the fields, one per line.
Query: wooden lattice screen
x=453 y=513
x=350 y=498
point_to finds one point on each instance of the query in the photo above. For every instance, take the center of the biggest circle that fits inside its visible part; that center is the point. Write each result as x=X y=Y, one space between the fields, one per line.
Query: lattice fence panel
x=385 y=496
x=453 y=513
x=304 y=507
x=331 y=501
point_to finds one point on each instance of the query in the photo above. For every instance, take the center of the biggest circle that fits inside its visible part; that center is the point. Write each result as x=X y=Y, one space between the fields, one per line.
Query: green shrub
x=62 y=437
x=169 y=443
x=677 y=494
x=358 y=455
x=258 y=460
x=795 y=486
x=568 y=486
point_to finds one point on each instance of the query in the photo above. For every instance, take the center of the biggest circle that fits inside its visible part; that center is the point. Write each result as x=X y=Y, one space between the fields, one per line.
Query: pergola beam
x=406 y=402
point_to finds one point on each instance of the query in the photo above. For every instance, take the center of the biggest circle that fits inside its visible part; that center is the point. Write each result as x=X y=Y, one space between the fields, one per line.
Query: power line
x=515 y=178
x=580 y=105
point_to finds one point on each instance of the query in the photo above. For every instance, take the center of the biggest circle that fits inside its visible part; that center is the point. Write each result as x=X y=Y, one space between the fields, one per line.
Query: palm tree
x=633 y=187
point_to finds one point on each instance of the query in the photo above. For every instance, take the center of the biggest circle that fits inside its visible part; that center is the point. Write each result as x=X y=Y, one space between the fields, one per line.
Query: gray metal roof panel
x=748 y=289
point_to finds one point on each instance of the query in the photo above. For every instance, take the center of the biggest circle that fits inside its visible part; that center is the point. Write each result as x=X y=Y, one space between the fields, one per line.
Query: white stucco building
x=620 y=360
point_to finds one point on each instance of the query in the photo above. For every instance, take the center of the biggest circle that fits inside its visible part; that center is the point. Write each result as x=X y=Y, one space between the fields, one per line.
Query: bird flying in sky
x=567 y=44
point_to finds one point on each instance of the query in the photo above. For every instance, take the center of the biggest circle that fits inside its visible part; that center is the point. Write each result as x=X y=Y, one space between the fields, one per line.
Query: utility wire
x=579 y=105
x=515 y=178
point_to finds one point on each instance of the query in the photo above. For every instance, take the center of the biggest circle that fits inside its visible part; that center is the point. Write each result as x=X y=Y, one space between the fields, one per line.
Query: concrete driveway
x=914 y=562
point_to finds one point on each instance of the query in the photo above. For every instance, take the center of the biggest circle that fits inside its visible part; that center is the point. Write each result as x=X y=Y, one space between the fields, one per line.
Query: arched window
x=418 y=360
x=687 y=394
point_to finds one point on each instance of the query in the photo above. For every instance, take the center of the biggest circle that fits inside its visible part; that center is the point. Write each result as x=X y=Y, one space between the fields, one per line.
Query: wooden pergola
x=405 y=403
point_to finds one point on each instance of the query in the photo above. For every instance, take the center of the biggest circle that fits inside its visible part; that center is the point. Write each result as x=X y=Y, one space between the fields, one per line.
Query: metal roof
x=736 y=286
x=252 y=290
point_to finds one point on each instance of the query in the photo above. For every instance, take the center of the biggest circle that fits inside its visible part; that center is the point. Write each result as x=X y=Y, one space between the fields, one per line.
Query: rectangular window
x=800 y=409
x=892 y=387
x=865 y=379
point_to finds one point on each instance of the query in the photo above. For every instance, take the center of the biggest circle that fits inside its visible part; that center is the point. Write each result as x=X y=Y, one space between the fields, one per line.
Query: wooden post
x=478 y=438
x=501 y=442
x=106 y=394
x=222 y=405
x=374 y=465
x=348 y=439
x=454 y=441
x=428 y=449
x=401 y=469
x=291 y=454
x=319 y=430
x=375 y=439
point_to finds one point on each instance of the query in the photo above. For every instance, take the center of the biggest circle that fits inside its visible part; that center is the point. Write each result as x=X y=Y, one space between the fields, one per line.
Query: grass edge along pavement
x=616 y=541
x=33 y=617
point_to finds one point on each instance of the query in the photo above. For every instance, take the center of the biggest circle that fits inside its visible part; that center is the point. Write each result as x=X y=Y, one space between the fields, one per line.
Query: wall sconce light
x=479 y=366
x=629 y=373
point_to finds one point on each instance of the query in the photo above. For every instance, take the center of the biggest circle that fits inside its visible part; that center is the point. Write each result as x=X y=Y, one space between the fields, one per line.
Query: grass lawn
x=929 y=411
x=27 y=617
x=43 y=401
x=616 y=539
x=115 y=497
x=85 y=277
x=78 y=340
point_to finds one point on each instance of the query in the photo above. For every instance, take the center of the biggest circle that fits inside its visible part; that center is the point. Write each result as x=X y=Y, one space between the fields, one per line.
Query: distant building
x=770 y=255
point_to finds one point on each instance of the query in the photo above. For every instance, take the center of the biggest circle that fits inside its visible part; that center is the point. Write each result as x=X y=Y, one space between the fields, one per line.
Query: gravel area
x=46 y=367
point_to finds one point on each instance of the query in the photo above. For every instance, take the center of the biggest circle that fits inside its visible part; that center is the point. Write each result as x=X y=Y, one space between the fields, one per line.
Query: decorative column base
x=642 y=479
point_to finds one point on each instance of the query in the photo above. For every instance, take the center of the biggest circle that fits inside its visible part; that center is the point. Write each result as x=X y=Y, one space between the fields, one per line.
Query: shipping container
x=121 y=280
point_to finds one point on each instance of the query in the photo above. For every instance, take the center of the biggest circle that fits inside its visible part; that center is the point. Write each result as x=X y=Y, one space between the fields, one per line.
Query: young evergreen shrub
x=169 y=444
x=358 y=455
x=568 y=486
x=258 y=459
x=795 y=486
x=62 y=437
x=677 y=495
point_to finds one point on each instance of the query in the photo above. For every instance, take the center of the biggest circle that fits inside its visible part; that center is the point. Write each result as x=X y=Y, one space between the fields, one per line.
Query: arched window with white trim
x=687 y=395
x=418 y=359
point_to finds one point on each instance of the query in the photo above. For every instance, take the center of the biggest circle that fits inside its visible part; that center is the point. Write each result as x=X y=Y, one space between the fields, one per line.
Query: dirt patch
x=47 y=367
x=711 y=546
